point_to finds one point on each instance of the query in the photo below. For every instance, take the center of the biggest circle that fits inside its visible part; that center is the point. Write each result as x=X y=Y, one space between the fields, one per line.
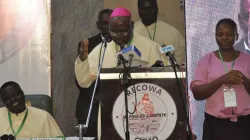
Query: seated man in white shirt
x=151 y=27
x=22 y=121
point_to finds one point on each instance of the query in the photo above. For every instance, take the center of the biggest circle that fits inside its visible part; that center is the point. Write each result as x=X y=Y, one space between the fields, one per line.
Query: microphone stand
x=125 y=84
x=173 y=61
x=83 y=127
x=175 y=65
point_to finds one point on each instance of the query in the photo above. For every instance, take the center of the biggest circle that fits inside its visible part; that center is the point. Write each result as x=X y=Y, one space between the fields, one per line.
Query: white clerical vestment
x=38 y=124
x=86 y=70
x=163 y=33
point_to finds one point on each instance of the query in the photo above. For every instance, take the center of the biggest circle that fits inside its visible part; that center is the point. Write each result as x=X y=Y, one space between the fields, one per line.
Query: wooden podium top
x=142 y=73
x=141 y=69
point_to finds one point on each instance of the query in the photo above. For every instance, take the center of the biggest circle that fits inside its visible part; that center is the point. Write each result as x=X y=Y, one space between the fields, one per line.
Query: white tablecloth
x=67 y=138
x=77 y=138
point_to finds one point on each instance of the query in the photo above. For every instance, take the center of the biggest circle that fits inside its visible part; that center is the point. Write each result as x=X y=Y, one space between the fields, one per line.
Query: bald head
x=121 y=26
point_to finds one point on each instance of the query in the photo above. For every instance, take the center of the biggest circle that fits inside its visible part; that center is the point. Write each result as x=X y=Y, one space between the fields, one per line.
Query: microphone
x=7 y=137
x=130 y=53
x=167 y=50
x=4 y=137
x=158 y=63
x=130 y=59
x=11 y=137
x=122 y=60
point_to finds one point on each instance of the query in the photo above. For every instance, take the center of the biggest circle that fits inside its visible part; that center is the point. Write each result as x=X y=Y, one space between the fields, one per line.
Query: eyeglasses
x=118 y=33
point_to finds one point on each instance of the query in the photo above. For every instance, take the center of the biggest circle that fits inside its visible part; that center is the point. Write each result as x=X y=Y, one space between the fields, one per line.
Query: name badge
x=230 y=97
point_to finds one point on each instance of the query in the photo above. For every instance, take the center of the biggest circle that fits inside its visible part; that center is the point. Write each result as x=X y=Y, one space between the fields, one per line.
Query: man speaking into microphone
x=121 y=32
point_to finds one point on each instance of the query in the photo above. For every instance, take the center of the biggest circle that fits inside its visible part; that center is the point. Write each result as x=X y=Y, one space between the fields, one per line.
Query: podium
x=154 y=102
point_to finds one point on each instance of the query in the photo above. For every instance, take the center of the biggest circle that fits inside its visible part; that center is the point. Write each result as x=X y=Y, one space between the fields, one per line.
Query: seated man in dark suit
x=85 y=95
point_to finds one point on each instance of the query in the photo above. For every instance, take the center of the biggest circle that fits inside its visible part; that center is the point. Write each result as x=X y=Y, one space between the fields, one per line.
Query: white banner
x=25 y=44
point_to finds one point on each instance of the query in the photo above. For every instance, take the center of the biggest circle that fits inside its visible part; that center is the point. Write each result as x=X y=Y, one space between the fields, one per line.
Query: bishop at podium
x=121 y=32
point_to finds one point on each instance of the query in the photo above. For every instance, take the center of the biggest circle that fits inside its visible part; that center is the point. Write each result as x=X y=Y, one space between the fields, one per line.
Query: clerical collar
x=102 y=37
x=246 y=46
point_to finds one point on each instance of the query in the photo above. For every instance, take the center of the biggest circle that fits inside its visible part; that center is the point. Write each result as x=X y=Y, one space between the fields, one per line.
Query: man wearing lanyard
x=162 y=33
x=22 y=121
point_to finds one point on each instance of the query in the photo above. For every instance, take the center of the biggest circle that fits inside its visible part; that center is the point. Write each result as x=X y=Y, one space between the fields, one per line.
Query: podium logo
x=154 y=113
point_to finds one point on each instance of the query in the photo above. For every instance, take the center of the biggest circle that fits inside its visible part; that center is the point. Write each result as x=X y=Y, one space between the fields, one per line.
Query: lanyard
x=152 y=38
x=130 y=41
x=21 y=126
x=222 y=61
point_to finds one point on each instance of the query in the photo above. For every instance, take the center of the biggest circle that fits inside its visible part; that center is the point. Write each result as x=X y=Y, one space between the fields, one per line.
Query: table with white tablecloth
x=66 y=138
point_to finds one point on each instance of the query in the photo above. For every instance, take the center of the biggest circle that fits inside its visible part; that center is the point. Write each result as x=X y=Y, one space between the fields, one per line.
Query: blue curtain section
x=201 y=18
x=25 y=44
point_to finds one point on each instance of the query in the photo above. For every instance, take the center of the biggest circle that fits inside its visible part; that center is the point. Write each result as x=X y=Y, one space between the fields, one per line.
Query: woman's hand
x=233 y=77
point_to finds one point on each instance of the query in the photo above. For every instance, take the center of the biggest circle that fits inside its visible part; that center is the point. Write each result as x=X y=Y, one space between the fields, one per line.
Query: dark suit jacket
x=240 y=46
x=84 y=98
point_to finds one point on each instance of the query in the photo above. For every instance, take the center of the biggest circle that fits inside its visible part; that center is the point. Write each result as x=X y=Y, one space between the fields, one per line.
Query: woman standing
x=222 y=78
